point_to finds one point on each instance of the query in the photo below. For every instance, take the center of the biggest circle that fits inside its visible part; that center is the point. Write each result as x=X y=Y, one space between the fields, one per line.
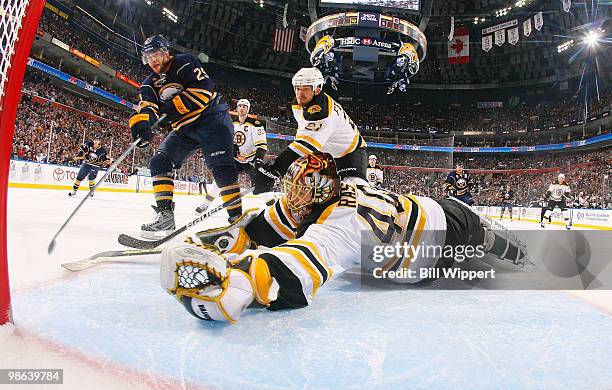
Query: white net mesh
x=12 y=13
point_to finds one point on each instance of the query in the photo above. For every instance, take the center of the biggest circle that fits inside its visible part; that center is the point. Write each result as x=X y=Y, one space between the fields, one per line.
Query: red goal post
x=18 y=24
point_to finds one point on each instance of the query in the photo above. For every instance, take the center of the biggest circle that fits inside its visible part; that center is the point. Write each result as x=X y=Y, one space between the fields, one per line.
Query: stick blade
x=81 y=265
x=132 y=242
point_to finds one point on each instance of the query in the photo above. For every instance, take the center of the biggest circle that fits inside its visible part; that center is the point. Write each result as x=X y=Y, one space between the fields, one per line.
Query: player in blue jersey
x=92 y=156
x=458 y=184
x=180 y=88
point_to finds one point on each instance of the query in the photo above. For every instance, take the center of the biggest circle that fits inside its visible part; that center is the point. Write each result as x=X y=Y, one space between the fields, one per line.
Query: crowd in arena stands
x=411 y=115
x=35 y=120
x=62 y=30
x=37 y=83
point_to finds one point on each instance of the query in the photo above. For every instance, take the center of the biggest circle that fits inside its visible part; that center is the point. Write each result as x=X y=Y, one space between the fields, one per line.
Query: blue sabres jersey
x=461 y=183
x=185 y=93
x=89 y=155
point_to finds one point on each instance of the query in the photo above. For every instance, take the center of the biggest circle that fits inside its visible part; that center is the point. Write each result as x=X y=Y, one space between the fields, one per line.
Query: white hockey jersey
x=324 y=126
x=248 y=136
x=558 y=191
x=343 y=235
x=374 y=175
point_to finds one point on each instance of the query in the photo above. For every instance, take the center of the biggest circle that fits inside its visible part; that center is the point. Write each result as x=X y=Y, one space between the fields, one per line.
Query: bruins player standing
x=180 y=88
x=92 y=156
x=374 y=172
x=315 y=231
x=323 y=126
x=556 y=195
x=250 y=147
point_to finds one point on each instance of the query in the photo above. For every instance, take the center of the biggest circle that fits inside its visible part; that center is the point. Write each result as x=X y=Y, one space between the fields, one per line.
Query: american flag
x=283 y=36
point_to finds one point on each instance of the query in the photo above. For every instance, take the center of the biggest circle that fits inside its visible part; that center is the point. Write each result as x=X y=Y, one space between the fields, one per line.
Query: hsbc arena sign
x=342 y=26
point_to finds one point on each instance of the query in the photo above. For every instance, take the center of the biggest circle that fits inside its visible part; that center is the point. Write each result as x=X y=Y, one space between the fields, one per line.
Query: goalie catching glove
x=210 y=287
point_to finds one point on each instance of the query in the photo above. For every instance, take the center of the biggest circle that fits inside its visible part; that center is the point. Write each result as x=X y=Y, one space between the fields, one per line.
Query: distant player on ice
x=374 y=172
x=458 y=184
x=506 y=197
x=180 y=88
x=92 y=156
x=557 y=195
x=250 y=146
x=281 y=256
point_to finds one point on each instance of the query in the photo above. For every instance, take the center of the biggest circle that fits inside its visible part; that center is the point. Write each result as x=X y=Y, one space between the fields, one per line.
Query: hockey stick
x=137 y=243
x=111 y=169
x=102 y=257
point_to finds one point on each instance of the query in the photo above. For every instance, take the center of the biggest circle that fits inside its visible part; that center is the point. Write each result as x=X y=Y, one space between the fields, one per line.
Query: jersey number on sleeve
x=200 y=74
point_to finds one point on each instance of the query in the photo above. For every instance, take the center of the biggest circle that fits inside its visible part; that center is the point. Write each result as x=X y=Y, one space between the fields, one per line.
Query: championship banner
x=567 y=4
x=500 y=37
x=538 y=21
x=527 y=27
x=487 y=43
x=501 y=26
x=513 y=36
x=459 y=47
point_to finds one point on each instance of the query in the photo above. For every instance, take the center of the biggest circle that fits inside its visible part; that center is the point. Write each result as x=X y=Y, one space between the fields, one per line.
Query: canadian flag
x=459 y=47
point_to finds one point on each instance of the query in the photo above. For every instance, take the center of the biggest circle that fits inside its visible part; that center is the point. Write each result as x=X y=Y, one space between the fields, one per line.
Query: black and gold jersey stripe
x=290 y=294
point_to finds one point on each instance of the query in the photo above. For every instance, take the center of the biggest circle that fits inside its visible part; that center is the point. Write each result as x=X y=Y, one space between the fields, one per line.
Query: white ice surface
x=113 y=327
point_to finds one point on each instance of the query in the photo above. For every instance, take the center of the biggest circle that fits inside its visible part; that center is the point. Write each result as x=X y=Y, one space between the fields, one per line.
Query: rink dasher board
x=29 y=174
x=581 y=218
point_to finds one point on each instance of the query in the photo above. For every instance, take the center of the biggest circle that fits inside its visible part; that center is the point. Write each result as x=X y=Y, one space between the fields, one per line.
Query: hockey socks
x=163 y=188
x=231 y=194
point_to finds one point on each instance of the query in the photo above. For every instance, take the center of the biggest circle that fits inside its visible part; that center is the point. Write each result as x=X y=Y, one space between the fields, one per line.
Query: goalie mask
x=310 y=180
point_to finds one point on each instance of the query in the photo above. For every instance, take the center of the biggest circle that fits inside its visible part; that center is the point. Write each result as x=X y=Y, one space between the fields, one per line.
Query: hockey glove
x=265 y=169
x=204 y=282
x=140 y=125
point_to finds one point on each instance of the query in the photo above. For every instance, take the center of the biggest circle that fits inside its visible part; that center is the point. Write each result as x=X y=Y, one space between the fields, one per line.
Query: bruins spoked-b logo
x=239 y=138
x=372 y=177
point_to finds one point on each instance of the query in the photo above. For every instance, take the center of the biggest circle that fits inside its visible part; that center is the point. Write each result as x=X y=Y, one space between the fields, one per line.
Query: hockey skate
x=202 y=208
x=72 y=193
x=154 y=207
x=161 y=227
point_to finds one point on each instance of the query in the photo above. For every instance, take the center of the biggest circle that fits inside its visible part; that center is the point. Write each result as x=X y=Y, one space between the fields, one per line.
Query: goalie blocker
x=281 y=256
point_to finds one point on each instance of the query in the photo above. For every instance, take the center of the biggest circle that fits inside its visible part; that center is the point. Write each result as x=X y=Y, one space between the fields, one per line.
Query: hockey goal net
x=18 y=23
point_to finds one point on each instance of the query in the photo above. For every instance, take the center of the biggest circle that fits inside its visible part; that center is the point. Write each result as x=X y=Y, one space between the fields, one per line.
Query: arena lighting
x=479 y=20
x=564 y=46
x=592 y=37
x=149 y=2
x=502 y=12
x=170 y=15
